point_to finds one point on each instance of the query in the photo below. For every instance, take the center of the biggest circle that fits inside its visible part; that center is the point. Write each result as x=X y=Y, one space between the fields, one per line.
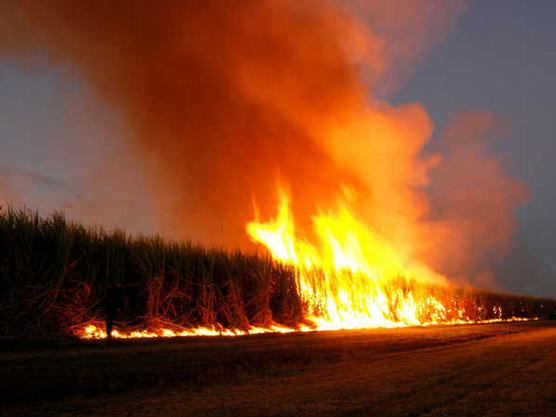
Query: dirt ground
x=504 y=369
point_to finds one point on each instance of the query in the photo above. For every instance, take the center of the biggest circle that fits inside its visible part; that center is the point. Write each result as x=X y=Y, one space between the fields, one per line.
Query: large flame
x=353 y=277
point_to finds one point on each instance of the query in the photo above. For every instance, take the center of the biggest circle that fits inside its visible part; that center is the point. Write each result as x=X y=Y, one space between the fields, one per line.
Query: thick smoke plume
x=225 y=99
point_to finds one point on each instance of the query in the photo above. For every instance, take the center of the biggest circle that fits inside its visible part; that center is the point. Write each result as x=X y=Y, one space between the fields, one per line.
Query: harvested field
x=475 y=370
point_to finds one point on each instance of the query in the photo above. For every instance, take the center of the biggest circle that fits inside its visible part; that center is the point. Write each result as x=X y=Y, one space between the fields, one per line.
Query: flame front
x=97 y=330
x=353 y=278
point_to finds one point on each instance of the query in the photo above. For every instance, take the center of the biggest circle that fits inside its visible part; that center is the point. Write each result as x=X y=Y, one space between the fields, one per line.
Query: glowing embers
x=97 y=330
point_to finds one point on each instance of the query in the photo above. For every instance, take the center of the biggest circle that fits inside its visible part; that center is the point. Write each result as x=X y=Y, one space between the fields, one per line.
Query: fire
x=353 y=278
x=96 y=331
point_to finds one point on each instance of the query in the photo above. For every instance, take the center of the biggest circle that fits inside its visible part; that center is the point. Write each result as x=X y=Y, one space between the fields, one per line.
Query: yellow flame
x=353 y=278
x=97 y=331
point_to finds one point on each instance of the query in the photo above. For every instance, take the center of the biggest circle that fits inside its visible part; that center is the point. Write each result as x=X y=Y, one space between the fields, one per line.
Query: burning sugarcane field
x=277 y=208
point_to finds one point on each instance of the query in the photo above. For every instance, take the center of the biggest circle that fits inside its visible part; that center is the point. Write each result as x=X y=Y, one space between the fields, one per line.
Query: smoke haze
x=222 y=102
x=473 y=199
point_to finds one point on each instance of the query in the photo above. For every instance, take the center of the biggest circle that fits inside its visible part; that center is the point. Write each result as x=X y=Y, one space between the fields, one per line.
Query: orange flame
x=96 y=331
x=354 y=278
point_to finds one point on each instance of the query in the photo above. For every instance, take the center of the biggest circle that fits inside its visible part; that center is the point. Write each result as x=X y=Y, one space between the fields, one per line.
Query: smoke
x=213 y=95
x=223 y=100
x=473 y=199
x=409 y=29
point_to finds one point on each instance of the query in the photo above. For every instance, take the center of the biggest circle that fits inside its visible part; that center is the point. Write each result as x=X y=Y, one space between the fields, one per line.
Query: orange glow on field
x=97 y=331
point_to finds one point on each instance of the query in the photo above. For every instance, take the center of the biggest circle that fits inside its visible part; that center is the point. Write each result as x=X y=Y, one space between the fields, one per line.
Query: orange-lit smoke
x=224 y=99
x=473 y=200
x=5 y=196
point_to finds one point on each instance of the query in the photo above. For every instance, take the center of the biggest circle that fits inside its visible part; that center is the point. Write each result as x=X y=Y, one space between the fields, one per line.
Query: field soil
x=505 y=369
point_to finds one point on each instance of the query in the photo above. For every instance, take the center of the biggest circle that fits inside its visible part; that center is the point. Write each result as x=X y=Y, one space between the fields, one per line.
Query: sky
x=500 y=57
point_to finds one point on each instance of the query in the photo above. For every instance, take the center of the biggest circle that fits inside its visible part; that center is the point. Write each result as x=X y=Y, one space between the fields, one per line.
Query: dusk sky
x=58 y=142
x=502 y=57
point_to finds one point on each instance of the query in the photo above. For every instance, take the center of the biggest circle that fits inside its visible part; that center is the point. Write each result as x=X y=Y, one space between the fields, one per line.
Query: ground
x=506 y=369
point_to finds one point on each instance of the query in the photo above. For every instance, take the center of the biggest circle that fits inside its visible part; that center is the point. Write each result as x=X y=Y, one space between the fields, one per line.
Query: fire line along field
x=277 y=208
